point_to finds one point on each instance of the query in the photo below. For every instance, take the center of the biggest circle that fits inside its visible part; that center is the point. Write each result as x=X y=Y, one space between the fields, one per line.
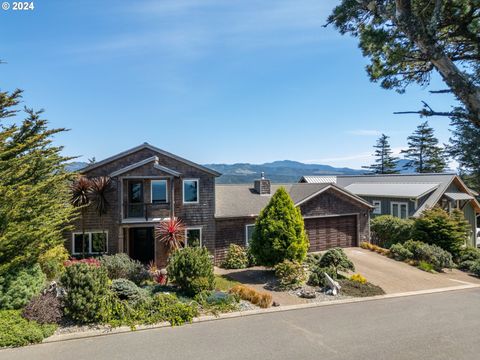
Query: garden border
x=126 y=329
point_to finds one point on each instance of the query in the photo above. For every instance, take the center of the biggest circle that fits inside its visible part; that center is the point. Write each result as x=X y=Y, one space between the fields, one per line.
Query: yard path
x=396 y=276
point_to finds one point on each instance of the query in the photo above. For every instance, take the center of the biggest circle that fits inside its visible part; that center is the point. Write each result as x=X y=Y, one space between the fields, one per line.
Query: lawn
x=224 y=283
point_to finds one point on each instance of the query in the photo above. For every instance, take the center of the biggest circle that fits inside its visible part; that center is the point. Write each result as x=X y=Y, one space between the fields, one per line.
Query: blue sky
x=213 y=81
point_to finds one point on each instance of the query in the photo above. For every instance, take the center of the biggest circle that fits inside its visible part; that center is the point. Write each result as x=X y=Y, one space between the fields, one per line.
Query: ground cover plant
x=261 y=299
x=359 y=289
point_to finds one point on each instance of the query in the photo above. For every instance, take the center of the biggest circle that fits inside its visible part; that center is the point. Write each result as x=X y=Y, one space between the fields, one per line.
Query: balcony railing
x=146 y=210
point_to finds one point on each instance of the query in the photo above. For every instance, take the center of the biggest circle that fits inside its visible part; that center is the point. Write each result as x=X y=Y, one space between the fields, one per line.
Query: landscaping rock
x=275 y=304
x=307 y=293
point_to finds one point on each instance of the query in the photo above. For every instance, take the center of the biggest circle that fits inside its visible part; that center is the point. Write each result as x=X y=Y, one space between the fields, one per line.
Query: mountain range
x=283 y=171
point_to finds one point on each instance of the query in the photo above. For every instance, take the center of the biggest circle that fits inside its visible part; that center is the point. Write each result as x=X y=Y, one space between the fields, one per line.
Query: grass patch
x=356 y=289
x=224 y=283
x=425 y=266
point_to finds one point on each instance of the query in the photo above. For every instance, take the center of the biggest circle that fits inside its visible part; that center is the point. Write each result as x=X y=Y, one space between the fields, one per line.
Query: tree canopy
x=385 y=162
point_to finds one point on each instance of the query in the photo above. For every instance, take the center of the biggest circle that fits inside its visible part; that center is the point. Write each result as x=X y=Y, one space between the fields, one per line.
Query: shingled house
x=151 y=185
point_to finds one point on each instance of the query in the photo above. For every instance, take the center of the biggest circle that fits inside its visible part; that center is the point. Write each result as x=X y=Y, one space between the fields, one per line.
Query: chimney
x=262 y=185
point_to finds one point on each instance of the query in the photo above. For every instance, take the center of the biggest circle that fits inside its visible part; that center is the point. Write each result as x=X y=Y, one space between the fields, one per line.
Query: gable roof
x=413 y=184
x=243 y=200
x=153 y=148
x=144 y=162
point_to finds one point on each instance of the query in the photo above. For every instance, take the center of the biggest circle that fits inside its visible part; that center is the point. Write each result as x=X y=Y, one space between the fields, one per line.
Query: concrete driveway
x=395 y=276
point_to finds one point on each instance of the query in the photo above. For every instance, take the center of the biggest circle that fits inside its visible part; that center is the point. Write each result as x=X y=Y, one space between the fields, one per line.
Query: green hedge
x=18 y=286
x=388 y=230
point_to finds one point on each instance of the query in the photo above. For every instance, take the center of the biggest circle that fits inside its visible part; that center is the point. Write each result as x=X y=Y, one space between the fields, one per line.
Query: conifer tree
x=34 y=193
x=385 y=162
x=423 y=153
x=279 y=232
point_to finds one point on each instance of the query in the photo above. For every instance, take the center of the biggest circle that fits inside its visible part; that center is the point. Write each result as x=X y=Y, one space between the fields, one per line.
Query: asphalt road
x=435 y=326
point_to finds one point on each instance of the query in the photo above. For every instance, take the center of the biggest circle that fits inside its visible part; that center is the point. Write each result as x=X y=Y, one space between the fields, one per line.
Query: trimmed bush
x=400 y=253
x=236 y=258
x=191 y=269
x=317 y=276
x=44 y=309
x=52 y=262
x=87 y=289
x=18 y=286
x=467 y=258
x=121 y=266
x=17 y=331
x=128 y=290
x=357 y=289
x=438 y=227
x=261 y=299
x=290 y=275
x=336 y=259
x=388 y=230
x=279 y=232
x=432 y=254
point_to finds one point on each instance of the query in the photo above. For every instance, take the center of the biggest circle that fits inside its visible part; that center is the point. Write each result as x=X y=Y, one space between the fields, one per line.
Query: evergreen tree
x=34 y=192
x=385 y=162
x=279 y=232
x=465 y=148
x=423 y=153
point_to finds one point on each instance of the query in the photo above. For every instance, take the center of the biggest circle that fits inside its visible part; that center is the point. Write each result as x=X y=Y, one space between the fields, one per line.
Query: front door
x=141 y=244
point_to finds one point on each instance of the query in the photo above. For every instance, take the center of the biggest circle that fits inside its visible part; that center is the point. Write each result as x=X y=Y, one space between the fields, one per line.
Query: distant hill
x=75 y=166
x=284 y=171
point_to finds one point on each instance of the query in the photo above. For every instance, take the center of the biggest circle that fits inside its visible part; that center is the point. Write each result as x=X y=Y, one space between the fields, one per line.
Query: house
x=408 y=195
x=150 y=185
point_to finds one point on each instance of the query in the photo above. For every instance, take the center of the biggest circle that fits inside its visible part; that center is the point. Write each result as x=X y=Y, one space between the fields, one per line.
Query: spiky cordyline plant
x=99 y=189
x=79 y=199
x=171 y=233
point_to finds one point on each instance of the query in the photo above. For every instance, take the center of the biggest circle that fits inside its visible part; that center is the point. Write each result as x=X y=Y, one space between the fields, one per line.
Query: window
x=190 y=191
x=95 y=243
x=399 y=209
x=159 y=191
x=378 y=206
x=249 y=233
x=193 y=237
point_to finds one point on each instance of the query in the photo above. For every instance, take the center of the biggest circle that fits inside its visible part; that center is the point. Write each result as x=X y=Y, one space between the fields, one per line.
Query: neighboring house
x=408 y=195
x=151 y=185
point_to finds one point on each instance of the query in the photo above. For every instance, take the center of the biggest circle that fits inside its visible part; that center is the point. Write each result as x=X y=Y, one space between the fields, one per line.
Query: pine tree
x=423 y=153
x=279 y=232
x=385 y=162
x=34 y=192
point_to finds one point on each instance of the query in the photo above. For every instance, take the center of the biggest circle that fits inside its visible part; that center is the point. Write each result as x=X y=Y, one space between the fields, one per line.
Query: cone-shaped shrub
x=279 y=232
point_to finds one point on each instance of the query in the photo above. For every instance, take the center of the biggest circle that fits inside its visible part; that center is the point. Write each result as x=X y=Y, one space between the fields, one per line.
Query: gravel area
x=320 y=295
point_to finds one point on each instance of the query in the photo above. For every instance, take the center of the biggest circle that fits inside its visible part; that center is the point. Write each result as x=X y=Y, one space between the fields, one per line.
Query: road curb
x=127 y=329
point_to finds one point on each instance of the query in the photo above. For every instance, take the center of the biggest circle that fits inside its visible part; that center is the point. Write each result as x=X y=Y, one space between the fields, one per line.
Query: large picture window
x=190 y=191
x=95 y=243
x=193 y=237
x=159 y=191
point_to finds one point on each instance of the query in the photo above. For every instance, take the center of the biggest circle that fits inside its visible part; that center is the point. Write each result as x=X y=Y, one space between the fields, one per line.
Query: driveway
x=395 y=276
x=439 y=326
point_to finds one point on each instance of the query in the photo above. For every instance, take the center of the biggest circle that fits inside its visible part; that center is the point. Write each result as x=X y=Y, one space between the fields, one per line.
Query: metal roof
x=392 y=190
x=312 y=179
x=458 y=196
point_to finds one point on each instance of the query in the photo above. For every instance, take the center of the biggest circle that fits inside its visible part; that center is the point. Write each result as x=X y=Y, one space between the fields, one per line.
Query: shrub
x=88 y=261
x=279 y=232
x=312 y=260
x=167 y=307
x=432 y=254
x=236 y=258
x=358 y=278
x=317 y=275
x=121 y=266
x=425 y=266
x=356 y=289
x=437 y=227
x=261 y=299
x=400 y=253
x=467 y=257
x=290 y=274
x=388 y=230
x=191 y=269
x=44 y=309
x=336 y=259
x=252 y=261
x=17 y=331
x=52 y=262
x=475 y=268
x=18 y=286
x=128 y=290
x=87 y=288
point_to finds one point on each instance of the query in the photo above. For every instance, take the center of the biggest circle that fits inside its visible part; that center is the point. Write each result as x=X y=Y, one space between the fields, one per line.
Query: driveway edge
x=126 y=329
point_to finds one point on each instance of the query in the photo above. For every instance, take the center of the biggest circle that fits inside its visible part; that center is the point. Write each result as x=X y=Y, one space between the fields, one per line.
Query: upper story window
x=399 y=209
x=378 y=207
x=159 y=191
x=190 y=191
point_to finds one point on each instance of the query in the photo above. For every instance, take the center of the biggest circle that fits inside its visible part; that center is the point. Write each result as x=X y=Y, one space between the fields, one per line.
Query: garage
x=332 y=231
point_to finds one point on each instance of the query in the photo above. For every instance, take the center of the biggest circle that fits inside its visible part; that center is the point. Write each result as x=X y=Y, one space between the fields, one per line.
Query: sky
x=214 y=81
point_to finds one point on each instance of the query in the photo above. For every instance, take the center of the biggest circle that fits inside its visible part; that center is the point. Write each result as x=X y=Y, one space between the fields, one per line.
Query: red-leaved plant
x=88 y=261
x=171 y=233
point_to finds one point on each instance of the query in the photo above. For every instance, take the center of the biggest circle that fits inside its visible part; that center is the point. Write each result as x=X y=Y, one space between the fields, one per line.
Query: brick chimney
x=262 y=185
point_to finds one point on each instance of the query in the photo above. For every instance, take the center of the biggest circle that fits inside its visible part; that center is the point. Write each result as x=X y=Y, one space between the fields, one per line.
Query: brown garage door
x=328 y=232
